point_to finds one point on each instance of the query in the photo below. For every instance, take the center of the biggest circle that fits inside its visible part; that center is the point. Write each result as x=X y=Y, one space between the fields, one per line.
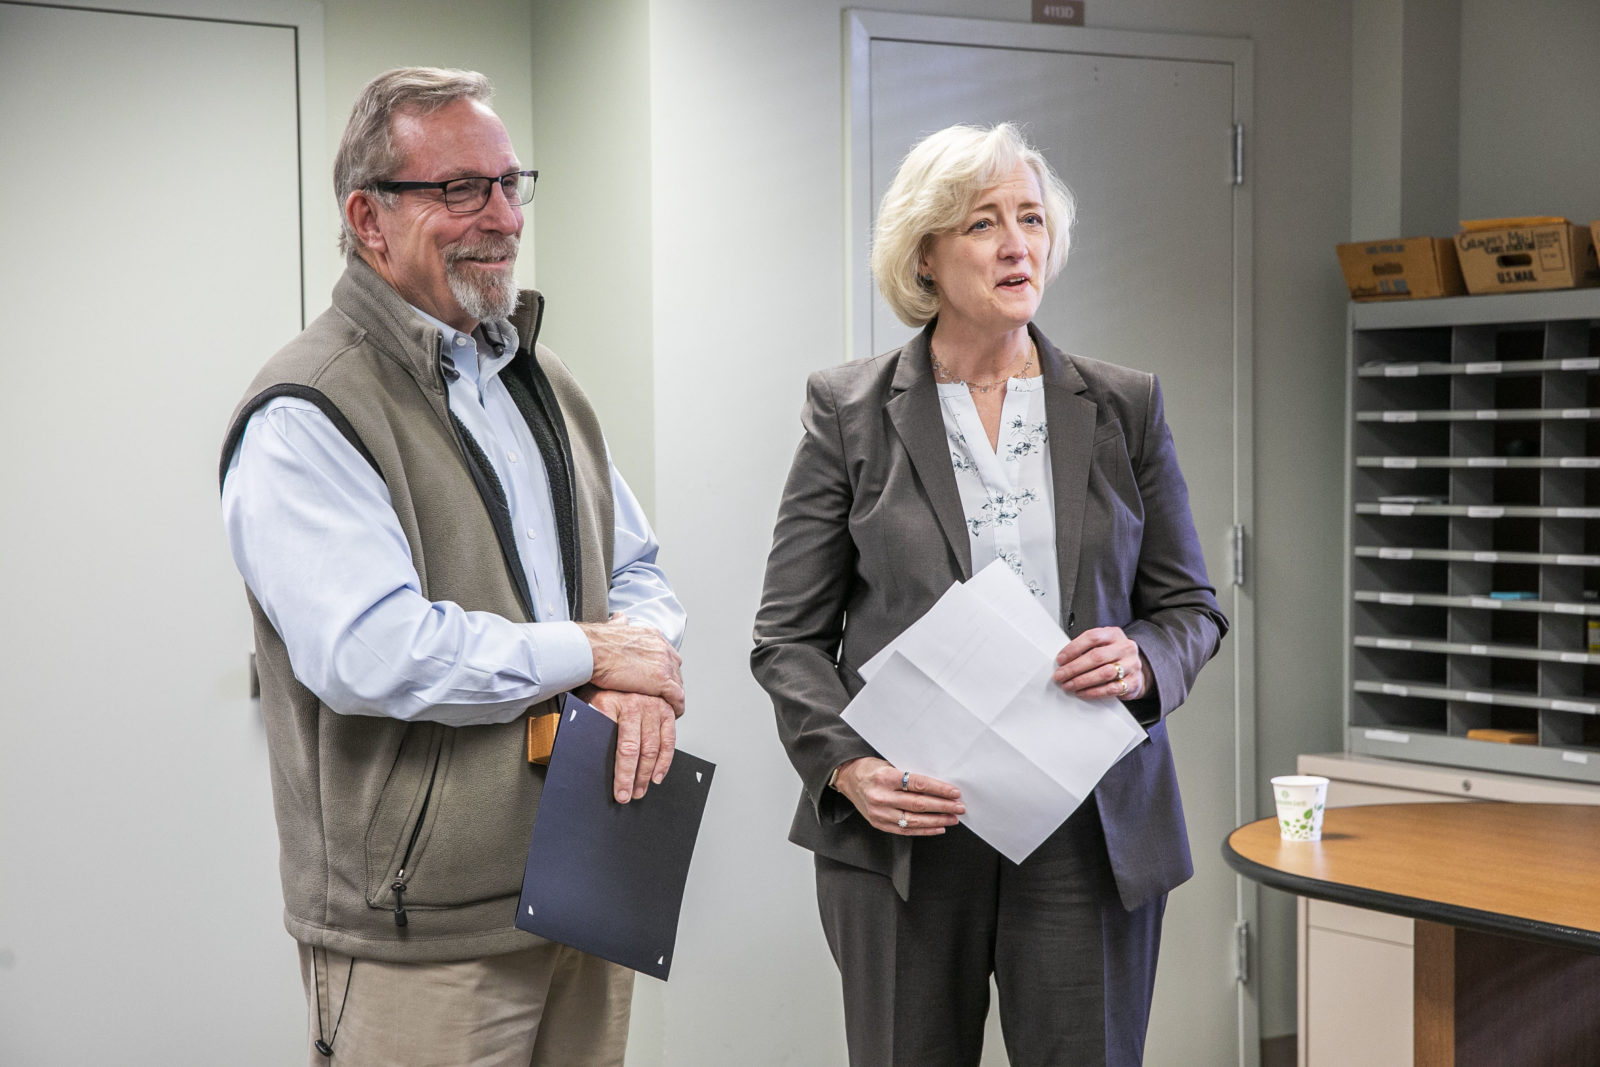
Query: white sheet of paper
x=998 y=587
x=965 y=694
x=970 y=651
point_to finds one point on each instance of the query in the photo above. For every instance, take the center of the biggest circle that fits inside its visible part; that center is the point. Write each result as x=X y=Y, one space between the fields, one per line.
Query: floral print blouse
x=1007 y=492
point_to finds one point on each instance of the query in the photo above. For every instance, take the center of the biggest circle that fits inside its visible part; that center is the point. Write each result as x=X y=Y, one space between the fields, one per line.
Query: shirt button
x=533 y=535
x=549 y=609
x=511 y=456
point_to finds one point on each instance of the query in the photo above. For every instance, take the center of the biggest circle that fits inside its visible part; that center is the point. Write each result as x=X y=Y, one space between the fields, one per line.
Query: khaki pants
x=540 y=1007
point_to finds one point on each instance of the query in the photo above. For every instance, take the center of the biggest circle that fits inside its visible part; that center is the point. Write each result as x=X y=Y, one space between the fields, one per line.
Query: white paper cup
x=1300 y=799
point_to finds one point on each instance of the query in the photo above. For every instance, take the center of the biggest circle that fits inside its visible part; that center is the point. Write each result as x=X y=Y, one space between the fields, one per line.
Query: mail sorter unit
x=1473 y=532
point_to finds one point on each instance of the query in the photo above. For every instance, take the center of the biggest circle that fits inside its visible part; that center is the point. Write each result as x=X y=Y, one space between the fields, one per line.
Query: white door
x=150 y=259
x=1141 y=129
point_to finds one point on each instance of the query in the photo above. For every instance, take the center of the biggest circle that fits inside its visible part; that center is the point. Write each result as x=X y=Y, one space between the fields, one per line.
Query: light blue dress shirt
x=313 y=531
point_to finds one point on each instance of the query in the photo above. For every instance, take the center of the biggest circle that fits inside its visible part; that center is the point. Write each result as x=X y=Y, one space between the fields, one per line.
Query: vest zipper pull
x=399 y=888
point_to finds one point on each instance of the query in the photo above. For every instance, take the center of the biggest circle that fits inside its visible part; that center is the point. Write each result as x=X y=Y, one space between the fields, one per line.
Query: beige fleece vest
x=368 y=805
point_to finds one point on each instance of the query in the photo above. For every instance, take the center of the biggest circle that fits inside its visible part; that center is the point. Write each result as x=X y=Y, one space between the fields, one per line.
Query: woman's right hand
x=923 y=808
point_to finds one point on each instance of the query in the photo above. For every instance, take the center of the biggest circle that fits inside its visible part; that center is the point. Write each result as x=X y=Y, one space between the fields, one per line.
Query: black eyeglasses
x=466 y=195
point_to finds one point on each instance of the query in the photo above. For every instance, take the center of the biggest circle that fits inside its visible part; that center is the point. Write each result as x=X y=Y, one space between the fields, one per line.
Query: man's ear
x=362 y=214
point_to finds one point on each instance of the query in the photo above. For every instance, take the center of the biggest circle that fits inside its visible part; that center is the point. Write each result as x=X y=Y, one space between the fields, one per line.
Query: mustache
x=483 y=248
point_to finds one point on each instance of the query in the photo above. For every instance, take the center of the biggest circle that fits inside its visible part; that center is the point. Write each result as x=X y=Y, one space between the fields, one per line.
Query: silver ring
x=1124 y=691
x=903 y=824
x=905 y=780
x=1120 y=672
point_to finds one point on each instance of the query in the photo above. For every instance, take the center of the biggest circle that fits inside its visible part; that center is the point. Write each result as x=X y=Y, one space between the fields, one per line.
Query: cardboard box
x=1401 y=269
x=1516 y=255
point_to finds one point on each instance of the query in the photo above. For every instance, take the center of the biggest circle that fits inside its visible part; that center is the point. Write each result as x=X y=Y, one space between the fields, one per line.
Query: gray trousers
x=1074 y=970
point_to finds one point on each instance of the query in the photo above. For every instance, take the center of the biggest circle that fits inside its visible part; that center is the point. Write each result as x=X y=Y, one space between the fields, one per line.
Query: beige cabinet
x=1354 y=965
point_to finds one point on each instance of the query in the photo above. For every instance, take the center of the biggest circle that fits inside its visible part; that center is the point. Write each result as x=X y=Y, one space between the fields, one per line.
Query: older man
x=436 y=546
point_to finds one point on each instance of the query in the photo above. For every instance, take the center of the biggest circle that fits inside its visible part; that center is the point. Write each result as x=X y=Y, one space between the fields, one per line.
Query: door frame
x=861 y=29
x=318 y=212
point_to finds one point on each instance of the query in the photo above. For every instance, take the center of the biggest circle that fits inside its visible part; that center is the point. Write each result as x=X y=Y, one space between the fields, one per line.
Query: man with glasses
x=436 y=546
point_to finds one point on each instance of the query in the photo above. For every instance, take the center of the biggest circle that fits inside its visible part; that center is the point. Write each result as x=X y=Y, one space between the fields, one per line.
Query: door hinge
x=1238 y=555
x=1241 y=962
x=1238 y=153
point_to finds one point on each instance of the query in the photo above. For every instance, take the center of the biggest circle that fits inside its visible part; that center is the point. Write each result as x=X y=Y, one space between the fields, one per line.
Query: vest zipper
x=399 y=885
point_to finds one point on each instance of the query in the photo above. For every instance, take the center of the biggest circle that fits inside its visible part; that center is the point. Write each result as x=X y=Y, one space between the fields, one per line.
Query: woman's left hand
x=1102 y=662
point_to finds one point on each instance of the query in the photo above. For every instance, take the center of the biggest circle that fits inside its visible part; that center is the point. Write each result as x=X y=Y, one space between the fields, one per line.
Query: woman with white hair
x=977 y=441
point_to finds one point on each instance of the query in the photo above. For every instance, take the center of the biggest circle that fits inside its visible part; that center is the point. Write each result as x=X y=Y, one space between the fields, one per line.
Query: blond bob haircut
x=935 y=188
x=368 y=153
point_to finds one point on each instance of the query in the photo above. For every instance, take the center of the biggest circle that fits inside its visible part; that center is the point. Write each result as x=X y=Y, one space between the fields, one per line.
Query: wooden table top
x=1527 y=870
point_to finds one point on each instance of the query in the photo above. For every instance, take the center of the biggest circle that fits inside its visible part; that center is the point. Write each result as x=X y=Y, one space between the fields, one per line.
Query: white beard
x=487 y=297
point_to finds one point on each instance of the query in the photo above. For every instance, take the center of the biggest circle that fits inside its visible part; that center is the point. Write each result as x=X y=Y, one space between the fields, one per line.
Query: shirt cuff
x=561 y=654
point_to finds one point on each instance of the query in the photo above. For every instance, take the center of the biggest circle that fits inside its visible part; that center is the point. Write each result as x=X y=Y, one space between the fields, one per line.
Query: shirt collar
x=459 y=351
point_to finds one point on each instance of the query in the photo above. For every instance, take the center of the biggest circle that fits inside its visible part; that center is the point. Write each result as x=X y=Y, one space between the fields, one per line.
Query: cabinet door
x=1360 y=1014
x=1355 y=966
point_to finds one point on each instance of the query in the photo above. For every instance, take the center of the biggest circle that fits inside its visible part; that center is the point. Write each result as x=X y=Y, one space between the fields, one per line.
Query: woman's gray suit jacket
x=871 y=532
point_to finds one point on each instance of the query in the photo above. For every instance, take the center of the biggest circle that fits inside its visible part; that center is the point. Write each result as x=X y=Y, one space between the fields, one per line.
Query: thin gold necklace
x=979 y=387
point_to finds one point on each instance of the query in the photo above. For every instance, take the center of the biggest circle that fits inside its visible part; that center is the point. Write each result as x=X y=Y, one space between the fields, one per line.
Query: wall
x=1529 y=97
x=591 y=96
x=739 y=138
x=730 y=111
x=364 y=38
x=747 y=132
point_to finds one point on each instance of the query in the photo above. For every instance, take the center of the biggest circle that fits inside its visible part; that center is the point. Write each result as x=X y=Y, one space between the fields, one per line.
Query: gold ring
x=1124 y=689
x=1120 y=672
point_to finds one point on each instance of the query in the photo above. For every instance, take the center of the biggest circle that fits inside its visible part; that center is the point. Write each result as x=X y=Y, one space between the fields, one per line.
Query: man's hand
x=647 y=735
x=635 y=659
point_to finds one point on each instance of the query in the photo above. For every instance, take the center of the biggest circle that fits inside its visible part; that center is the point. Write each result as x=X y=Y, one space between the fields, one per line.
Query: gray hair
x=937 y=183
x=367 y=152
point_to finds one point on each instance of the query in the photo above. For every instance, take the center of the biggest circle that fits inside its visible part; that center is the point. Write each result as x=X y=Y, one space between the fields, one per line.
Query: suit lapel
x=1072 y=421
x=914 y=411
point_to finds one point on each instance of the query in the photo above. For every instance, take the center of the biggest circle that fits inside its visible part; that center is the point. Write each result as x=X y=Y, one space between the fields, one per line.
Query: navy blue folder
x=603 y=877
